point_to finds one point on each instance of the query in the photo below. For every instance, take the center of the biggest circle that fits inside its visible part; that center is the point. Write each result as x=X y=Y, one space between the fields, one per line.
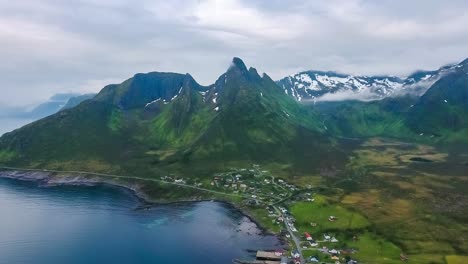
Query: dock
x=265 y=255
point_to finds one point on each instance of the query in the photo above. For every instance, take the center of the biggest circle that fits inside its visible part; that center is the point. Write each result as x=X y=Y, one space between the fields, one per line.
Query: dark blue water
x=101 y=225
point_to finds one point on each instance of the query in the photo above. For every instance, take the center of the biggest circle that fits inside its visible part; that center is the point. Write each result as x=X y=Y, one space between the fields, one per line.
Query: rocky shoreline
x=46 y=179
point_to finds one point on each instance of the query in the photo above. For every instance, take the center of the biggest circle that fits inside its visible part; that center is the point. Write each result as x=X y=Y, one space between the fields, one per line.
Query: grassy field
x=374 y=249
x=453 y=259
x=420 y=206
x=320 y=210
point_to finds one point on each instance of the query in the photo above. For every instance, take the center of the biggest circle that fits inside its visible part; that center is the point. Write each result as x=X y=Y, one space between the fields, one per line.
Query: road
x=126 y=177
x=293 y=236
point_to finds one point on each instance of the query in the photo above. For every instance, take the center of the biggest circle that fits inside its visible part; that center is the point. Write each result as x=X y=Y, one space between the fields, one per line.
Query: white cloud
x=49 y=46
x=347 y=95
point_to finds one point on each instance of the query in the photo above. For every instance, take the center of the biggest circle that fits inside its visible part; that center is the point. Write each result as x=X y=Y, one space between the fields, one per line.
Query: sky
x=53 y=46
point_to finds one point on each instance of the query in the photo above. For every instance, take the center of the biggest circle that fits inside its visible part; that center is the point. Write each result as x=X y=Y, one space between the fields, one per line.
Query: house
x=295 y=254
x=333 y=251
x=332 y=218
x=352 y=262
x=334 y=240
x=334 y=257
x=314 y=259
x=308 y=236
x=326 y=237
x=313 y=243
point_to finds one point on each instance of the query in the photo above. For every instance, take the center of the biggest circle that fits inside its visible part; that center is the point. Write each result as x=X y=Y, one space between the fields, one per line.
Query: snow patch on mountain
x=333 y=86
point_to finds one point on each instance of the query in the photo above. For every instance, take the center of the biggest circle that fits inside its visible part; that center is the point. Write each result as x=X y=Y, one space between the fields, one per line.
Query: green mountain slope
x=440 y=115
x=166 y=122
x=442 y=112
x=385 y=117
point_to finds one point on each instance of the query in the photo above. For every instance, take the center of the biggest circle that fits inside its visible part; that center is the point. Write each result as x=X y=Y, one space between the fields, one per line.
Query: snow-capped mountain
x=333 y=86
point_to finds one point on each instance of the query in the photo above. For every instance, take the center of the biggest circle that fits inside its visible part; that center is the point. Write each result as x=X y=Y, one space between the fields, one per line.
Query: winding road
x=124 y=177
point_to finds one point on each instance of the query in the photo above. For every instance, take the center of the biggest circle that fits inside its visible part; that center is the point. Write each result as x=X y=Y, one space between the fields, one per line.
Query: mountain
x=51 y=106
x=54 y=104
x=167 y=121
x=443 y=109
x=333 y=86
x=439 y=115
x=76 y=100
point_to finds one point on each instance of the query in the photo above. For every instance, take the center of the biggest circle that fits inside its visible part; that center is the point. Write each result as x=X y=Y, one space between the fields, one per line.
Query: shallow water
x=101 y=225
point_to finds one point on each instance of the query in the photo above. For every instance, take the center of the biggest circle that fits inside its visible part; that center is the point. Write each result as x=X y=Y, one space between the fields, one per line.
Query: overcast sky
x=51 y=46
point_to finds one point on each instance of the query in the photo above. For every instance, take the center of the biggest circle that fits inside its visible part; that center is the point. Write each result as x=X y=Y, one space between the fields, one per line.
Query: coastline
x=50 y=179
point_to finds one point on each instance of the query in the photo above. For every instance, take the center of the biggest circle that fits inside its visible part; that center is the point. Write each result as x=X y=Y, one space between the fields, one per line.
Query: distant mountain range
x=54 y=104
x=333 y=86
x=167 y=121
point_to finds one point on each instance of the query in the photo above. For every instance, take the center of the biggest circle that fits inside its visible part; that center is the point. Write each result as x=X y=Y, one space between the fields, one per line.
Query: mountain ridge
x=334 y=86
x=167 y=120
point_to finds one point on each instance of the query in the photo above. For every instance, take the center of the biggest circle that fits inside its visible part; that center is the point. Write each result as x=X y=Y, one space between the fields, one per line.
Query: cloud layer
x=53 y=46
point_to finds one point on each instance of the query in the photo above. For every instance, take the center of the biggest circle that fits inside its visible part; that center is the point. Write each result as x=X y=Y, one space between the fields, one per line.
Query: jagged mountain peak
x=339 y=86
x=238 y=63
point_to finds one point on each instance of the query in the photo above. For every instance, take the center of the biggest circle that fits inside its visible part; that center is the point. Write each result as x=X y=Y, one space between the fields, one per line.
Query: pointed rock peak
x=238 y=64
x=254 y=74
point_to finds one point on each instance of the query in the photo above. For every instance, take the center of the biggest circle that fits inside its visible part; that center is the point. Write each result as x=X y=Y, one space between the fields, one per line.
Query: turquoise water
x=103 y=225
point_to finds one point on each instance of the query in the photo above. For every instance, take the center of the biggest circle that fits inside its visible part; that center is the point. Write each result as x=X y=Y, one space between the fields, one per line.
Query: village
x=273 y=198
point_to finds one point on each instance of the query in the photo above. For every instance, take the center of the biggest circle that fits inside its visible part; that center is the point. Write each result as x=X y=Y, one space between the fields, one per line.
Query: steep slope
x=440 y=115
x=443 y=110
x=257 y=122
x=167 y=121
x=386 y=117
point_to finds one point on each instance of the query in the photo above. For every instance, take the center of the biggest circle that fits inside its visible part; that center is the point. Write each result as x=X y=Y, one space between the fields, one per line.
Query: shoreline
x=50 y=179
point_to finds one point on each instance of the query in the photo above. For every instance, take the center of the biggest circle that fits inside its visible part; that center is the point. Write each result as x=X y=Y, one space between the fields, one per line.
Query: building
x=279 y=252
x=295 y=254
x=313 y=243
x=308 y=236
